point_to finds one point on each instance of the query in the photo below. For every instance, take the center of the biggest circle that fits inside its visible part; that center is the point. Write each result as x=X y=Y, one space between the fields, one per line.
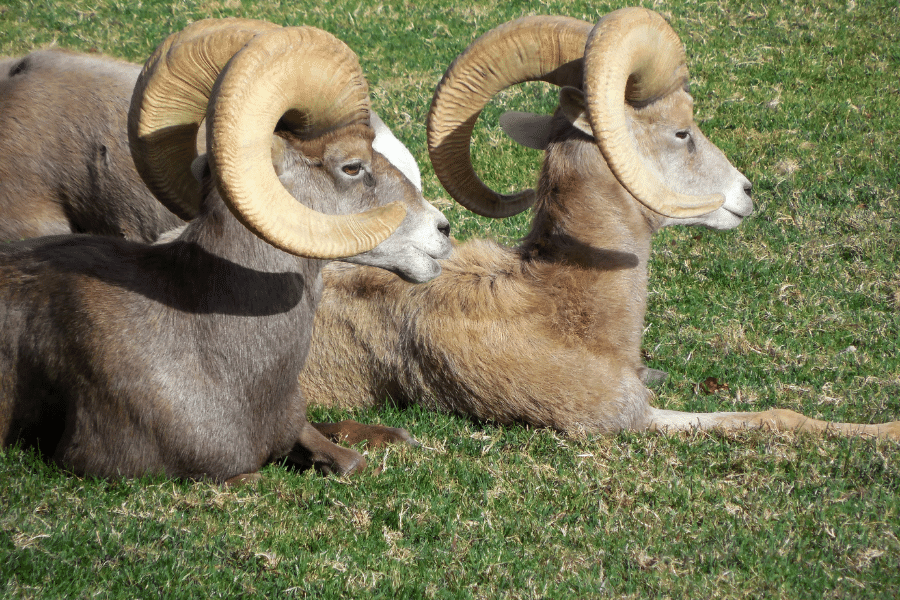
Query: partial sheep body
x=489 y=339
x=181 y=358
x=547 y=333
x=65 y=163
x=113 y=356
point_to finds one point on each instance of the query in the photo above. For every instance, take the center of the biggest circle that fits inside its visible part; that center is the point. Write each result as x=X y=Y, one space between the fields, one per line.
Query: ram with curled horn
x=181 y=358
x=548 y=333
x=65 y=161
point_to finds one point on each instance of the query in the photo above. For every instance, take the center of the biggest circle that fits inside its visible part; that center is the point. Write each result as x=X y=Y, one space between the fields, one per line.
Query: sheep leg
x=352 y=433
x=315 y=450
x=776 y=419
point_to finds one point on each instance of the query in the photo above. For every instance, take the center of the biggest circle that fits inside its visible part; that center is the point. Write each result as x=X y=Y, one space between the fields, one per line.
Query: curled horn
x=308 y=72
x=247 y=74
x=633 y=55
x=169 y=103
x=538 y=48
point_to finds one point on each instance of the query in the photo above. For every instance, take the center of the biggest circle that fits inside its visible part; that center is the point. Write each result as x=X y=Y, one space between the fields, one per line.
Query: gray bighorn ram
x=547 y=333
x=65 y=162
x=121 y=358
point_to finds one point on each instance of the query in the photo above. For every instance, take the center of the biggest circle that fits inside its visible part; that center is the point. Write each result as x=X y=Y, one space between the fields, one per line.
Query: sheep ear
x=527 y=129
x=200 y=167
x=279 y=152
x=572 y=103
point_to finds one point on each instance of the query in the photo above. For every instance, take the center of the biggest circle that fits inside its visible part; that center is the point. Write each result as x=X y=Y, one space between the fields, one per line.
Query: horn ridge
x=170 y=100
x=633 y=55
x=539 y=48
x=301 y=69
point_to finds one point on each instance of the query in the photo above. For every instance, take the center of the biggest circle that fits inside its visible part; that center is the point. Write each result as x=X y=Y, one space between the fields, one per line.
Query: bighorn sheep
x=547 y=333
x=65 y=163
x=121 y=358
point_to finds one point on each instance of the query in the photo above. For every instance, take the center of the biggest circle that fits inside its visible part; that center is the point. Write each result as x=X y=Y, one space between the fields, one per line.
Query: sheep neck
x=224 y=257
x=592 y=238
x=249 y=306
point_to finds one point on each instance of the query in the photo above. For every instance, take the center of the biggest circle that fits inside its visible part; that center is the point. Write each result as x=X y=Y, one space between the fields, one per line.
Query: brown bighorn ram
x=548 y=333
x=65 y=162
x=120 y=358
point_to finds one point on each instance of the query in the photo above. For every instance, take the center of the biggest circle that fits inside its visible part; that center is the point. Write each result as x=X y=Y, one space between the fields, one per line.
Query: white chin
x=423 y=268
x=723 y=219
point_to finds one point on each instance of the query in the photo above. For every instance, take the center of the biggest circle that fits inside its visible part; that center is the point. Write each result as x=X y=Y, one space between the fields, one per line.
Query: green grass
x=798 y=308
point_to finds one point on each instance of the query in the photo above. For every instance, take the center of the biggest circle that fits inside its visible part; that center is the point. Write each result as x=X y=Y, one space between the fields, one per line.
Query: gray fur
x=120 y=358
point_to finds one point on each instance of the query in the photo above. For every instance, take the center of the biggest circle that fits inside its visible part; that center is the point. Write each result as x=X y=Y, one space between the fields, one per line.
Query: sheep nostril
x=445 y=229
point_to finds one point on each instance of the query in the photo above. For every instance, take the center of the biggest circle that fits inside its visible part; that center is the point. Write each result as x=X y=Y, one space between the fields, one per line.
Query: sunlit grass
x=798 y=308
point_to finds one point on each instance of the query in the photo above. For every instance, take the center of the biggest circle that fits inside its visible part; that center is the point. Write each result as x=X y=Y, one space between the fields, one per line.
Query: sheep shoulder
x=469 y=341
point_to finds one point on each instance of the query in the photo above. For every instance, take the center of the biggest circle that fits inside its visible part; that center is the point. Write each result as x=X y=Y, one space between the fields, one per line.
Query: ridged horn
x=169 y=103
x=311 y=73
x=540 y=48
x=633 y=55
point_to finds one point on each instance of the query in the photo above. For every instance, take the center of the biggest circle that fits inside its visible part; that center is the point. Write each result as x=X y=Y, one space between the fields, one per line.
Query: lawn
x=798 y=308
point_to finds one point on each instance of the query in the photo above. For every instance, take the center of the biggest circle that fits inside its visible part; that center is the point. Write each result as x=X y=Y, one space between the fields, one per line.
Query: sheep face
x=671 y=145
x=668 y=142
x=363 y=178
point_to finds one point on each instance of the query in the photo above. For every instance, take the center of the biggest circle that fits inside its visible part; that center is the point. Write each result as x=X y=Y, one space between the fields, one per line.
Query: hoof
x=351 y=433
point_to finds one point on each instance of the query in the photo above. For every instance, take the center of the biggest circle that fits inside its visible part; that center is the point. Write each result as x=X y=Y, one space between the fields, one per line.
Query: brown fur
x=120 y=359
x=65 y=164
x=502 y=331
x=548 y=333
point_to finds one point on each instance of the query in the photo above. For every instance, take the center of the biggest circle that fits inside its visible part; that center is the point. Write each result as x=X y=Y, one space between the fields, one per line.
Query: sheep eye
x=683 y=134
x=352 y=170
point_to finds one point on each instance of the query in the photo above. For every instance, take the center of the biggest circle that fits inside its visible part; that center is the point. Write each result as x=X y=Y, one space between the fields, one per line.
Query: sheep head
x=305 y=86
x=624 y=84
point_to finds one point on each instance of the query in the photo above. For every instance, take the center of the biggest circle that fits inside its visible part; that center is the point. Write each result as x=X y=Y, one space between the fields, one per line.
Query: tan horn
x=634 y=56
x=539 y=48
x=170 y=100
x=311 y=73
